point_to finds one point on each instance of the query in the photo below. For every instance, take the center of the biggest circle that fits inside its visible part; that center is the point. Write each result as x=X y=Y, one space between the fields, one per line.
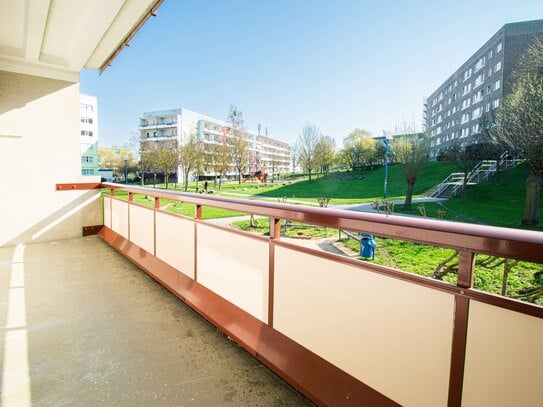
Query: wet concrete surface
x=100 y=332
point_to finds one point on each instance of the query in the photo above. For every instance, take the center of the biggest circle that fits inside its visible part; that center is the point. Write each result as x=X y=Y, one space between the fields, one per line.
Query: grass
x=342 y=187
x=180 y=208
x=487 y=203
x=423 y=260
x=294 y=229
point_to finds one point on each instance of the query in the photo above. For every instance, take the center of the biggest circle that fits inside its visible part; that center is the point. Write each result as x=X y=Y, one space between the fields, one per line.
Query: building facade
x=179 y=125
x=457 y=110
x=88 y=108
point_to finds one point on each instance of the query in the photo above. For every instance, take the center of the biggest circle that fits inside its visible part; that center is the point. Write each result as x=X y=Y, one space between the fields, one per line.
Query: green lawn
x=423 y=260
x=487 y=203
x=293 y=229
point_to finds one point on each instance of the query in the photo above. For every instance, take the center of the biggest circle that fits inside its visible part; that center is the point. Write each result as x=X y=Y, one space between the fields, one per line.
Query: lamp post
x=386 y=169
x=125 y=169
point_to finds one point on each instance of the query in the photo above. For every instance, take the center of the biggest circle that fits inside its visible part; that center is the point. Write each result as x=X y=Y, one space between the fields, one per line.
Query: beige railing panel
x=390 y=334
x=119 y=217
x=142 y=227
x=107 y=211
x=503 y=358
x=235 y=267
x=175 y=242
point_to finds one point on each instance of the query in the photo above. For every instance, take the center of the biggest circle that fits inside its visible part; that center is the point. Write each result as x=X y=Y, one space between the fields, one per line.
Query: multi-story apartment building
x=456 y=110
x=88 y=108
x=178 y=125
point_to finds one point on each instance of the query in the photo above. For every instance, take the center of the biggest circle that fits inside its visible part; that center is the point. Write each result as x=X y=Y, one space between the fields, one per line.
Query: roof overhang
x=58 y=38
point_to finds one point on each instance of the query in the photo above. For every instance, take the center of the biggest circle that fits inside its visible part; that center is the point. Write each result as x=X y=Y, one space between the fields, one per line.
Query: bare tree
x=221 y=159
x=149 y=159
x=190 y=158
x=410 y=152
x=239 y=145
x=167 y=159
x=306 y=145
x=520 y=123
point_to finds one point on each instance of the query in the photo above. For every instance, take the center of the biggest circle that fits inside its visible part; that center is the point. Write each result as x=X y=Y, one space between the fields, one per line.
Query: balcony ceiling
x=57 y=38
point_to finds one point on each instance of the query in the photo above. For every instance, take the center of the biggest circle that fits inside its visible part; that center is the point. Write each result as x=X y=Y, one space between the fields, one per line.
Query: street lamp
x=385 y=141
x=125 y=158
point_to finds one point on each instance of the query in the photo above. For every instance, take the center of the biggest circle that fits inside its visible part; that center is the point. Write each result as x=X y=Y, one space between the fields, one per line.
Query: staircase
x=453 y=184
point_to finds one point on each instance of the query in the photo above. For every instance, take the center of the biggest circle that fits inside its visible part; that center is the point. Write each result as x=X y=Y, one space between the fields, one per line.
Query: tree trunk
x=309 y=175
x=408 y=195
x=464 y=187
x=154 y=180
x=166 y=178
x=498 y=170
x=531 y=206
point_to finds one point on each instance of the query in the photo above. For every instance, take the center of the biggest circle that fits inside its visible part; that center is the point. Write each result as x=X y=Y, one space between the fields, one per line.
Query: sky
x=339 y=65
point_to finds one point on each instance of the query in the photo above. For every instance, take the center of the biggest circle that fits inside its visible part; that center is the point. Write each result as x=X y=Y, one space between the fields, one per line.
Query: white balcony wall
x=235 y=267
x=503 y=358
x=175 y=242
x=40 y=147
x=390 y=334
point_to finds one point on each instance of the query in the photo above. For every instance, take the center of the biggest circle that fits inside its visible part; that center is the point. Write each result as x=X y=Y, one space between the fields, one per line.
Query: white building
x=88 y=111
x=267 y=154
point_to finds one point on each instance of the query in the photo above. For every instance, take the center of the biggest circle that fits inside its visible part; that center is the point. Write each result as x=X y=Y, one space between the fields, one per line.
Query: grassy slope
x=353 y=187
x=488 y=203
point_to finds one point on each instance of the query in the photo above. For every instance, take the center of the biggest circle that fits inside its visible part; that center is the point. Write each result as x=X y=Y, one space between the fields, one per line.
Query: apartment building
x=457 y=109
x=267 y=154
x=88 y=108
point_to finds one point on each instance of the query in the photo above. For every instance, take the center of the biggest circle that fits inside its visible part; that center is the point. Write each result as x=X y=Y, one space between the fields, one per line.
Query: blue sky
x=337 y=64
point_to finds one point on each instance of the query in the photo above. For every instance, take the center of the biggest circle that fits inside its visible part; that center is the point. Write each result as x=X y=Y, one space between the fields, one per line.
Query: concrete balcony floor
x=83 y=326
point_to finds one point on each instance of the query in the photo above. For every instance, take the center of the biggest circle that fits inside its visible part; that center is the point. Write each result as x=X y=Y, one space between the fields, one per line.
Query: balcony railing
x=341 y=330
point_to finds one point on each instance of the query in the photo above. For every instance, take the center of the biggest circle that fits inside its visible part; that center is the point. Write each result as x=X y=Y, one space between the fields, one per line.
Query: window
x=466 y=103
x=496 y=85
x=499 y=48
x=478 y=97
x=480 y=63
x=495 y=103
x=465 y=118
x=479 y=80
x=497 y=67
x=476 y=113
x=86 y=120
x=490 y=54
x=87 y=171
x=86 y=133
x=85 y=106
x=487 y=108
x=475 y=129
x=464 y=133
x=466 y=89
x=87 y=159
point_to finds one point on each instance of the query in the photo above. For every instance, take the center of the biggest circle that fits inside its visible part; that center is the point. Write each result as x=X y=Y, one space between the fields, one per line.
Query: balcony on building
x=107 y=301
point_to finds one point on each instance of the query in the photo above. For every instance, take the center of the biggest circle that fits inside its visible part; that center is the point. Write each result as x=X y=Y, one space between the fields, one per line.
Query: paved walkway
x=366 y=207
x=83 y=326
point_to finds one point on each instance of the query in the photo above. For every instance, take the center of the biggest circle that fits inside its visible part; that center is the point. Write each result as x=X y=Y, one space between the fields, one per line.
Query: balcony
x=85 y=326
x=342 y=331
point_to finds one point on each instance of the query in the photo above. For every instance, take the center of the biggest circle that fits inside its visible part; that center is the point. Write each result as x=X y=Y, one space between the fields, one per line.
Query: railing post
x=156 y=207
x=275 y=234
x=466 y=265
x=197 y=215
x=130 y=199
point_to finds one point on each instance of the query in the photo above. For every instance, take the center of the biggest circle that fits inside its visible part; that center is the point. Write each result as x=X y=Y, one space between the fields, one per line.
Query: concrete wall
x=39 y=147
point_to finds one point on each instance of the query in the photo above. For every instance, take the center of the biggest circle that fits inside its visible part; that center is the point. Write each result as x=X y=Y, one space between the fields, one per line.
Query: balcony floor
x=84 y=326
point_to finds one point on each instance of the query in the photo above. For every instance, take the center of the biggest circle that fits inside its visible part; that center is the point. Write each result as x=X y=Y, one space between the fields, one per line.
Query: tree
x=325 y=153
x=520 y=123
x=149 y=159
x=191 y=156
x=167 y=159
x=467 y=157
x=411 y=154
x=306 y=146
x=221 y=159
x=239 y=145
x=353 y=148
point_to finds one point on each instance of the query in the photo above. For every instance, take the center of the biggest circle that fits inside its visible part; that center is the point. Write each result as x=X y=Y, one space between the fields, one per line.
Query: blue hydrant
x=367 y=245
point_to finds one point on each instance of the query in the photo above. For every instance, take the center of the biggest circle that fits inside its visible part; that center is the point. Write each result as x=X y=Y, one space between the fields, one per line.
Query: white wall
x=40 y=147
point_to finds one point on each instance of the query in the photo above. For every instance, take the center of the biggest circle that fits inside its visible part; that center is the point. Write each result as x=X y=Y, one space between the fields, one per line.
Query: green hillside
x=352 y=186
x=488 y=203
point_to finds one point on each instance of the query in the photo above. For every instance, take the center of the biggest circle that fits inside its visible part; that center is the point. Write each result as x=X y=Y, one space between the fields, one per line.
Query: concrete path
x=366 y=207
x=84 y=326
